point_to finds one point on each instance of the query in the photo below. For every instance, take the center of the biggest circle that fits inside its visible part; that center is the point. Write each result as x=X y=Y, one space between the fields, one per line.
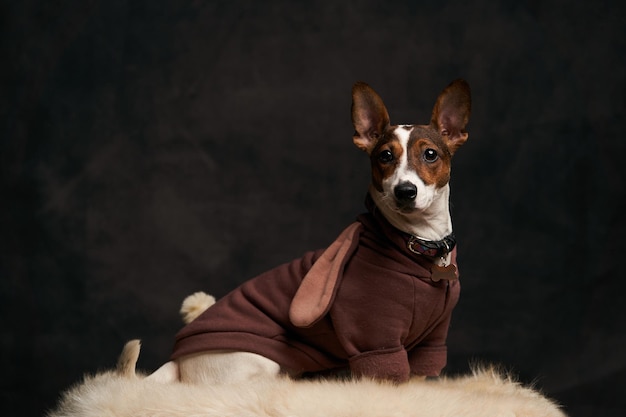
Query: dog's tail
x=127 y=361
x=194 y=305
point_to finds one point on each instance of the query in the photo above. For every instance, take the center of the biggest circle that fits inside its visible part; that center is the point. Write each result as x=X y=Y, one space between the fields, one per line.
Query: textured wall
x=150 y=149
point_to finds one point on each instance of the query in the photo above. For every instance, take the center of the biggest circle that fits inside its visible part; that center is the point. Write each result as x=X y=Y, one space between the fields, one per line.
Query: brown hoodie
x=385 y=319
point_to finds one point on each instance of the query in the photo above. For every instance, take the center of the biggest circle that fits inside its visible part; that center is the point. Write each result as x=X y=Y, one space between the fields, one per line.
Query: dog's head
x=410 y=163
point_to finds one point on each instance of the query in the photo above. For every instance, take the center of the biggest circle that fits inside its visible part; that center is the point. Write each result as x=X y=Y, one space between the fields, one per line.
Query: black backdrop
x=151 y=149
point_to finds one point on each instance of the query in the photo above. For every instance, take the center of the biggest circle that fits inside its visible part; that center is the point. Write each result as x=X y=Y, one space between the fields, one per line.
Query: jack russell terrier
x=378 y=300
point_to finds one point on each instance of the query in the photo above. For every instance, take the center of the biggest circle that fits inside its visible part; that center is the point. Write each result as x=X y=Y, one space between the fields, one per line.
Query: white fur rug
x=123 y=393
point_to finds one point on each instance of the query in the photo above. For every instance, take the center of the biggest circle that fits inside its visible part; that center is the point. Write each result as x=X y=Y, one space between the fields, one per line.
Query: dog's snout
x=405 y=192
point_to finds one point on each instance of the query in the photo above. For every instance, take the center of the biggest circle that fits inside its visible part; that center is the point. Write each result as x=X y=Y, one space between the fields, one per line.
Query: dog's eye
x=385 y=156
x=430 y=155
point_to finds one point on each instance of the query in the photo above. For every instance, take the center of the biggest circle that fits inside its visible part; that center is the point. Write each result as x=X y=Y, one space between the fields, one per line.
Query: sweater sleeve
x=430 y=356
x=391 y=364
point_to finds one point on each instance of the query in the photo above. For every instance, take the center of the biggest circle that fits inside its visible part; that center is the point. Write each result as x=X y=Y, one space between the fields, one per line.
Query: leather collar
x=432 y=248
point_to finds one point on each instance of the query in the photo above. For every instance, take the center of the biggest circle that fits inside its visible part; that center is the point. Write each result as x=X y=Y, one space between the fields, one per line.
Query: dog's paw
x=194 y=305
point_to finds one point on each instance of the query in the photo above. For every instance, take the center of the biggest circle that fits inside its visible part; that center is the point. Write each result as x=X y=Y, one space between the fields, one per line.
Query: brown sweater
x=385 y=318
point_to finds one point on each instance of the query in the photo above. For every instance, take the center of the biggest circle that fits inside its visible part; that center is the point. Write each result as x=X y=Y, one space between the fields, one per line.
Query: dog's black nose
x=405 y=192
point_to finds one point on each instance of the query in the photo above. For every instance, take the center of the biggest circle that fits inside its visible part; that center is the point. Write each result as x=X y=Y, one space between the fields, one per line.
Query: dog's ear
x=451 y=114
x=369 y=116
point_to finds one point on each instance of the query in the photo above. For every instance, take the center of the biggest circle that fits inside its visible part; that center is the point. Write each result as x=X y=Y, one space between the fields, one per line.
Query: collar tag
x=442 y=268
x=446 y=273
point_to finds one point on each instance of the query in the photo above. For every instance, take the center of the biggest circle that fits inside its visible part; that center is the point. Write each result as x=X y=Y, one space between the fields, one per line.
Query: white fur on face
x=425 y=193
x=430 y=218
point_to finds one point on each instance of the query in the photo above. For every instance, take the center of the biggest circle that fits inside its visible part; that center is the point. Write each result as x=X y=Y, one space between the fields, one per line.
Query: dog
x=377 y=302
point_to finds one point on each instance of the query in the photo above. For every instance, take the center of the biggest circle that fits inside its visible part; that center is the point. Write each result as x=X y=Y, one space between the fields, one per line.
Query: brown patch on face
x=385 y=158
x=429 y=156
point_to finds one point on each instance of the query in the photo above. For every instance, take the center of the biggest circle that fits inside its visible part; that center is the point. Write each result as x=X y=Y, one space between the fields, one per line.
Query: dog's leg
x=165 y=374
x=225 y=367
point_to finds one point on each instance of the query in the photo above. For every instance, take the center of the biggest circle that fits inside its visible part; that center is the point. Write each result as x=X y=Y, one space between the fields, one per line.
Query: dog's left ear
x=451 y=114
x=369 y=116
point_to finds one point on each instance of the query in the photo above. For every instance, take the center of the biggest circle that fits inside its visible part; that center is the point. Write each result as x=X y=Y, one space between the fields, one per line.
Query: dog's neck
x=433 y=223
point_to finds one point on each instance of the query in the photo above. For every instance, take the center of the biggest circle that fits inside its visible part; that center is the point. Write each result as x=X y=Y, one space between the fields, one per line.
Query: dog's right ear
x=369 y=116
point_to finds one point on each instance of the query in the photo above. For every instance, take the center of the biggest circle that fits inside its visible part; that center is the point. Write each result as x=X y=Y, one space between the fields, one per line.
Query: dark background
x=150 y=149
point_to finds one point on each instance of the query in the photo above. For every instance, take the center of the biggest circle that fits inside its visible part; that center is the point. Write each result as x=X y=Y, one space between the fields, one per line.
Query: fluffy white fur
x=122 y=393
